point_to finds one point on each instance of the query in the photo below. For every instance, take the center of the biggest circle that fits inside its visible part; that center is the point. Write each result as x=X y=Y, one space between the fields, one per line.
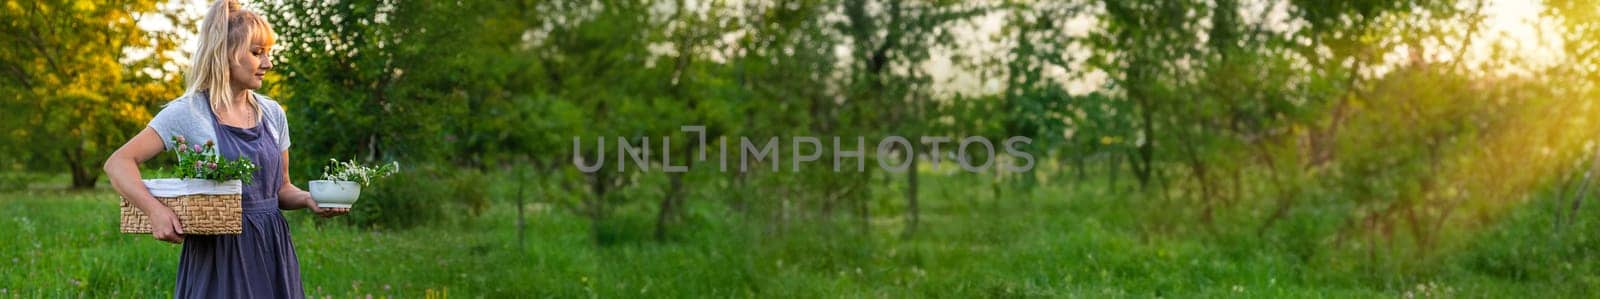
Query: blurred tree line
x=1246 y=114
x=73 y=91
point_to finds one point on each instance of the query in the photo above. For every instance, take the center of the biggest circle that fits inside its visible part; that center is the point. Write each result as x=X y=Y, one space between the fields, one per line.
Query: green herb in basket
x=205 y=162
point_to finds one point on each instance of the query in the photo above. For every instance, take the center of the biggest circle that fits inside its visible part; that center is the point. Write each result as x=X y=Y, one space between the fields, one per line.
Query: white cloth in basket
x=181 y=187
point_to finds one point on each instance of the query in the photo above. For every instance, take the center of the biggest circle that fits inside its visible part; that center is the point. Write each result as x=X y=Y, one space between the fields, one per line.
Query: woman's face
x=250 y=63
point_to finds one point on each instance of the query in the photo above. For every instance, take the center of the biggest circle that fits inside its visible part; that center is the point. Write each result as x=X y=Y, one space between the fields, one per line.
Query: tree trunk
x=669 y=205
x=82 y=176
x=1082 y=171
x=671 y=202
x=596 y=206
x=911 y=195
x=864 y=211
x=1577 y=198
x=1113 y=163
x=522 y=222
x=1286 y=195
x=1202 y=177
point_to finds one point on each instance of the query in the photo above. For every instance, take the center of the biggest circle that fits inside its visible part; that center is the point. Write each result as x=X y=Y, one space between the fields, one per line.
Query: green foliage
x=17 y=180
x=420 y=196
x=205 y=162
x=71 y=91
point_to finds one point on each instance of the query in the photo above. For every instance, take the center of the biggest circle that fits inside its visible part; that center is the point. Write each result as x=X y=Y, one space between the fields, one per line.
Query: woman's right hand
x=122 y=168
x=164 y=225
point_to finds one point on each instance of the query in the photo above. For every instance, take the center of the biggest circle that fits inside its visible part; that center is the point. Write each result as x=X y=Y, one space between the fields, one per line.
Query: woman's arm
x=289 y=196
x=122 y=168
x=293 y=198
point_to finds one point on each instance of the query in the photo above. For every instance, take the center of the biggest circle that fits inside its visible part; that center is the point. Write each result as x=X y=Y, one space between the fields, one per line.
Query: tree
x=79 y=79
x=888 y=90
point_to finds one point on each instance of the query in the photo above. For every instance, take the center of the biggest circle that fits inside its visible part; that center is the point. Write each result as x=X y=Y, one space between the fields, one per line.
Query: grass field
x=1057 y=242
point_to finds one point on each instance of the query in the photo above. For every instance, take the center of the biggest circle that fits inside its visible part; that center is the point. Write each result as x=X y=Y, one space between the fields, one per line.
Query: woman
x=220 y=106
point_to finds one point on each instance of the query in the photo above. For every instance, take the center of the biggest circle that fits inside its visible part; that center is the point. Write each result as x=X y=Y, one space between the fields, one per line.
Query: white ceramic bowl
x=335 y=194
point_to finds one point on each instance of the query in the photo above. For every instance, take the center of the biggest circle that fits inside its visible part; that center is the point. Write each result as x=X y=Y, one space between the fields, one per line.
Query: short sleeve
x=283 y=122
x=167 y=122
x=277 y=120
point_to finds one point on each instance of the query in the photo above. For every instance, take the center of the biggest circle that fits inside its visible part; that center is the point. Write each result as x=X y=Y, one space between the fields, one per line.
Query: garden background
x=1189 y=148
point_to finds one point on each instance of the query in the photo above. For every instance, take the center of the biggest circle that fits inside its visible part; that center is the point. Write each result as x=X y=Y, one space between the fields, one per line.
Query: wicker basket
x=203 y=207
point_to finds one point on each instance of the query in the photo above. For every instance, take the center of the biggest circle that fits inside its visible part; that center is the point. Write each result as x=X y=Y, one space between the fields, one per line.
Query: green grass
x=1060 y=241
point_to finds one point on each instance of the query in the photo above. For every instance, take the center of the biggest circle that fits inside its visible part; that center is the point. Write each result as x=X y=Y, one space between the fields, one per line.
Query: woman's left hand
x=328 y=212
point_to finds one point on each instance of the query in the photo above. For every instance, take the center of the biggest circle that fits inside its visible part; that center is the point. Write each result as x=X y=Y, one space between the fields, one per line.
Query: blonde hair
x=225 y=29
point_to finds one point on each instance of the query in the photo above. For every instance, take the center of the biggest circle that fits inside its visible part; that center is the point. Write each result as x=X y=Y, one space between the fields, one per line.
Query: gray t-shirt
x=190 y=116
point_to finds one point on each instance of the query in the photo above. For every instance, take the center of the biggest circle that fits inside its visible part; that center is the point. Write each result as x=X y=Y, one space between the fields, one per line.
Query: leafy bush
x=420 y=196
x=17 y=180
